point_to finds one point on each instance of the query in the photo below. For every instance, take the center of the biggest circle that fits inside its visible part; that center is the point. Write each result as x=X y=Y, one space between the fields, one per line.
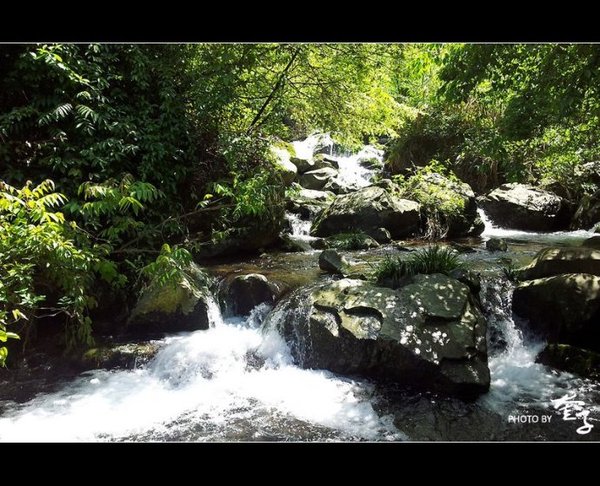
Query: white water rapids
x=237 y=381
x=562 y=237
x=230 y=382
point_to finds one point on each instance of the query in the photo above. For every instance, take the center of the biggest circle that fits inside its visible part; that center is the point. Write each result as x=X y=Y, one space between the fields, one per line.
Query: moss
x=289 y=147
x=168 y=300
x=445 y=201
x=122 y=356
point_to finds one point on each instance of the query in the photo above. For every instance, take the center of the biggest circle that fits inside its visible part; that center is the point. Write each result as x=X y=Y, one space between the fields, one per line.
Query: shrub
x=392 y=271
x=47 y=263
x=438 y=197
x=356 y=240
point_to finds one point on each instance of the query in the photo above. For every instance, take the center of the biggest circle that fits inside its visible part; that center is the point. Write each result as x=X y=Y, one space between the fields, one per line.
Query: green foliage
x=496 y=113
x=46 y=263
x=174 y=267
x=70 y=112
x=438 y=197
x=112 y=208
x=393 y=271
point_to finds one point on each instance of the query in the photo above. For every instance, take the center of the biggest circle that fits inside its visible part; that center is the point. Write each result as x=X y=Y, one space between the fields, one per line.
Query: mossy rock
x=127 y=356
x=172 y=308
x=430 y=334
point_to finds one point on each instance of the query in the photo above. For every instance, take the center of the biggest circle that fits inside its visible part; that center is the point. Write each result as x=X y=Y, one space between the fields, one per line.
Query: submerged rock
x=572 y=359
x=366 y=210
x=496 y=244
x=525 y=207
x=555 y=261
x=429 y=335
x=244 y=292
x=562 y=309
x=128 y=356
x=172 y=308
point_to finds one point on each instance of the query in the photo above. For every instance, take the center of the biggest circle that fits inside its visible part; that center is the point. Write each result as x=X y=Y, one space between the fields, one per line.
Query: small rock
x=380 y=235
x=462 y=248
x=330 y=261
x=496 y=244
x=245 y=292
x=319 y=244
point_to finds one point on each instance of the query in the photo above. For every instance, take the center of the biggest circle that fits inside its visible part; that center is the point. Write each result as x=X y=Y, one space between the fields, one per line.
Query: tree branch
x=274 y=90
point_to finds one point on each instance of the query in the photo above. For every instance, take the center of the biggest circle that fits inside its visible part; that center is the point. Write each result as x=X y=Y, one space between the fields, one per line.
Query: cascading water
x=557 y=237
x=352 y=174
x=230 y=382
x=299 y=230
x=518 y=382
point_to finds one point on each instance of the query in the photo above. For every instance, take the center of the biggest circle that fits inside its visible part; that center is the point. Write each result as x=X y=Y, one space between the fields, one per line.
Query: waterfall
x=300 y=230
x=351 y=173
x=517 y=381
x=234 y=381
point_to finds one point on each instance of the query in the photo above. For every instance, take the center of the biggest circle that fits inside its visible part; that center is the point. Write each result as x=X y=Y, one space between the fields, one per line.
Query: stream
x=237 y=381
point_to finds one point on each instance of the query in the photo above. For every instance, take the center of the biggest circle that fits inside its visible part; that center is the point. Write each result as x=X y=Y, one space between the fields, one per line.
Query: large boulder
x=445 y=192
x=562 y=309
x=367 y=210
x=429 y=335
x=555 y=261
x=244 y=292
x=283 y=164
x=317 y=179
x=172 y=308
x=525 y=207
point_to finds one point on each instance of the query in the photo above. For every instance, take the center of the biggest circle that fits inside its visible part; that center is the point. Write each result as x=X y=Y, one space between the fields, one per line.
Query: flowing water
x=238 y=382
x=351 y=173
x=231 y=382
x=547 y=239
x=518 y=382
x=300 y=230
